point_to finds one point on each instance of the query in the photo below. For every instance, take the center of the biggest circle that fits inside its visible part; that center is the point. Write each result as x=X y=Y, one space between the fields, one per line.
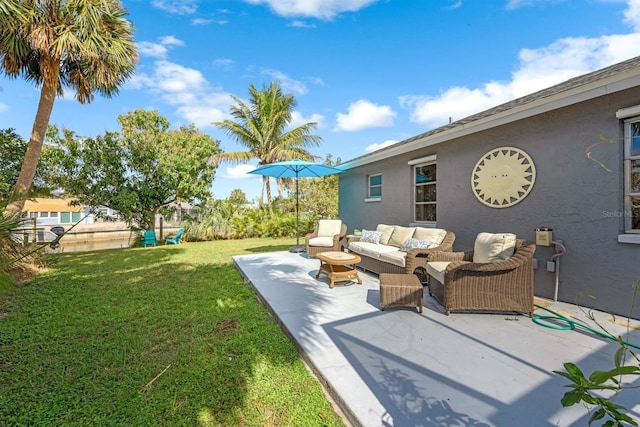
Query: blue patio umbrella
x=296 y=169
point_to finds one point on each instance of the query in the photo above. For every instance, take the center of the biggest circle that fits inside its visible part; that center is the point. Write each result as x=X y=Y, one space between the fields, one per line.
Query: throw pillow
x=369 y=236
x=400 y=235
x=386 y=231
x=415 y=243
x=493 y=247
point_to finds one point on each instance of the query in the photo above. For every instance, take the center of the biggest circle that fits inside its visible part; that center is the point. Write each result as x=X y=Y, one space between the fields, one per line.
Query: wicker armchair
x=505 y=285
x=324 y=240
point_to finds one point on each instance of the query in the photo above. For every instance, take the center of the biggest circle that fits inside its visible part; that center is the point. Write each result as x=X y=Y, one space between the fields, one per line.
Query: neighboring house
x=521 y=166
x=58 y=211
x=52 y=211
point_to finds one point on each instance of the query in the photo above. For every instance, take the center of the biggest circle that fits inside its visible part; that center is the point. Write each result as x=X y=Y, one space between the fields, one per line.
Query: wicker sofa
x=386 y=256
x=503 y=285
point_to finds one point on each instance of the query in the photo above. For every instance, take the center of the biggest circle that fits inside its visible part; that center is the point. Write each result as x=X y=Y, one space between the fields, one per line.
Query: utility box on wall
x=544 y=236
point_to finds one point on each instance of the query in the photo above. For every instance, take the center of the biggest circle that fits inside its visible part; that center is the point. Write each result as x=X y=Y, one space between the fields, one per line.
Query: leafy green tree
x=238 y=197
x=318 y=197
x=84 y=45
x=12 y=149
x=138 y=171
x=261 y=127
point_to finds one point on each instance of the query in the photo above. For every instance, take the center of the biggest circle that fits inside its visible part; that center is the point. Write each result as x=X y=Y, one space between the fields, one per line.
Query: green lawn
x=162 y=336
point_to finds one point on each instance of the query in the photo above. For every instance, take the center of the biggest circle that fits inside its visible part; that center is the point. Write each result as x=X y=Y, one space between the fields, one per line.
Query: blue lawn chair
x=174 y=239
x=149 y=238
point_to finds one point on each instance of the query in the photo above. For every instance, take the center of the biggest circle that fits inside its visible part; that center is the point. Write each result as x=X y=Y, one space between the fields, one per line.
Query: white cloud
x=3 y=108
x=182 y=7
x=159 y=50
x=171 y=41
x=297 y=119
x=364 y=114
x=154 y=50
x=632 y=14
x=240 y=172
x=536 y=69
x=321 y=9
x=287 y=82
x=187 y=89
x=225 y=63
x=302 y=24
x=374 y=147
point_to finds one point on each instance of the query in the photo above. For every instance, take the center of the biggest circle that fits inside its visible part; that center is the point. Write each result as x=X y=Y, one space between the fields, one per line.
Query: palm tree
x=261 y=127
x=85 y=45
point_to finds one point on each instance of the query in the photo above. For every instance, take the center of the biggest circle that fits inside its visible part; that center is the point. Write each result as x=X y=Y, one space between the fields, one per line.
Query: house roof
x=614 y=78
x=50 y=205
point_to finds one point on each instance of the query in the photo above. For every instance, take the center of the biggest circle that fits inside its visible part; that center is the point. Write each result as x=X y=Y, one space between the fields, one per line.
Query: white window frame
x=629 y=195
x=372 y=198
x=417 y=163
x=630 y=116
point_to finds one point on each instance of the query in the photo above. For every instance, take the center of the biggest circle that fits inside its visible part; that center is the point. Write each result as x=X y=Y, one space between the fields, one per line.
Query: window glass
x=635 y=139
x=375 y=185
x=76 y=216
x=632 y=176
x=425 y=192
x=635 y=176
x=53 y=214
x=65 y=217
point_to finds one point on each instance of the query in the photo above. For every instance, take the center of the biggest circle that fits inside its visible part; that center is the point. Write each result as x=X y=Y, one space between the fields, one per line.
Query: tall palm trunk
x=34 y=148
x=268 y=187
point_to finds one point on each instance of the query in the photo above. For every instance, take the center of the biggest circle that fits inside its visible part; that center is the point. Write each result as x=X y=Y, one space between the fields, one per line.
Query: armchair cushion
x=387 y=231
x=329 y=227
x=400 y=235
x=325 y=242
x=490 y=247
x=436 y=269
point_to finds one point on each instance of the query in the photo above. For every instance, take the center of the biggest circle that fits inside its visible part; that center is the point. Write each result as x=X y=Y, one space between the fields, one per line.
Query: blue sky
x=369 y=72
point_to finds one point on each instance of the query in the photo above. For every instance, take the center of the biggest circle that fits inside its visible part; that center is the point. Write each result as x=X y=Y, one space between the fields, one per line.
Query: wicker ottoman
x=400 y=290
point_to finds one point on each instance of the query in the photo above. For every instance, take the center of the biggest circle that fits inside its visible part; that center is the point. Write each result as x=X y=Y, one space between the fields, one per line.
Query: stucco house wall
x=581 y=201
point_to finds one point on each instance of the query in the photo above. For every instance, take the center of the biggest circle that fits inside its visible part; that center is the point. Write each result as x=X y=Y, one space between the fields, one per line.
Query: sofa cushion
x=415 y=243
x=400 y=235
x=493 y=247
x=322 y=242
x=369 y=236
x=436 y=270
x=329 y=227
x=387 y=231
x=394 y=257
x=371 y=250
x=435 y=235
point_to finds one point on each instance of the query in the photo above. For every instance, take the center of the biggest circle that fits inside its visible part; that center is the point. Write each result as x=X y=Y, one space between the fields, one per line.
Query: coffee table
x=339 y=266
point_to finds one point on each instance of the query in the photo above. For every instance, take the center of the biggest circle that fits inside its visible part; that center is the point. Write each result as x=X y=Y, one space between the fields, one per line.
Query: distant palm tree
x=261 y=126
x=85 y=45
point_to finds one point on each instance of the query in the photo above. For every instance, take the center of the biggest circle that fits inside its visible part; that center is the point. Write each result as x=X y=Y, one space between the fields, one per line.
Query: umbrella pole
x=297 y=248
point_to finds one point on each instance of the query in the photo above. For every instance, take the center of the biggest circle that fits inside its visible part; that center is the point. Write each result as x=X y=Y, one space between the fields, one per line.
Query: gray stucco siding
x=581 y=201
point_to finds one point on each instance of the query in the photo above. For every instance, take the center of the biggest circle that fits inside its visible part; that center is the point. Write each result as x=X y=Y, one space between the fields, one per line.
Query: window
x=375 y=186
x=425 y=195
x=632 y=175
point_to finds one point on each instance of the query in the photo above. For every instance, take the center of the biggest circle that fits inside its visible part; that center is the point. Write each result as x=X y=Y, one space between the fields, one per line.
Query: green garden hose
x=554 y=322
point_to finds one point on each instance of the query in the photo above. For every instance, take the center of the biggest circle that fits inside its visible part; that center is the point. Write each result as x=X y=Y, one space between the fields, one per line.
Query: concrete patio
x=401 y=368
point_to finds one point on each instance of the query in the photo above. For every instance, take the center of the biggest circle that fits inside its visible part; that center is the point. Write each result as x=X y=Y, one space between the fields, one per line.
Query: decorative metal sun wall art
x=503 y=177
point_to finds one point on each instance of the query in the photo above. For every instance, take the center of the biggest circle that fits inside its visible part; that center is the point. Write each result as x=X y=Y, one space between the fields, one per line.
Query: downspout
x=555 y=258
